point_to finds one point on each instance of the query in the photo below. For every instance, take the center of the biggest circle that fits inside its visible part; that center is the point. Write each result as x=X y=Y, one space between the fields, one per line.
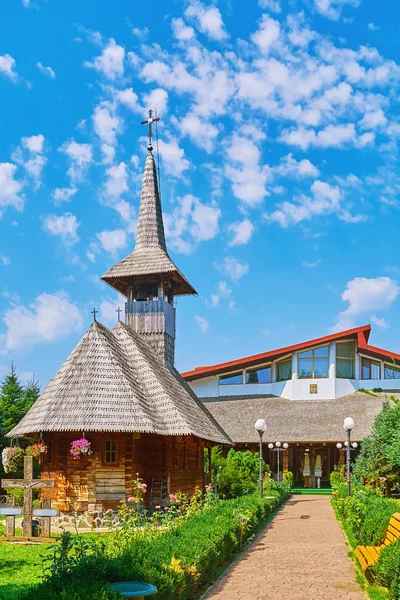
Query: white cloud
x=201 y=323
x=373 y=27
x=325 y=200
x=106 y=123
x=290 y=167
x=273 y=5
x=247 y=176
x=48 y=71
x=191 y=222
x=117 y=182
x=332 y=9
x=311 y=264
x=5 y=260
x=80 y=156
x=50 y=317
x=267 y=35
x=10 y=188
x=366 y=296
x=373 y=119
x=64 y=226
x=173 y=157
x=129 y=98
x=181 y=31
x=140 y=33
x=63 y=194
x=208 y=20
x=113 y=241
x=382 y=323
x=30 y=156
x=233 y=268
x=242 y=232
x=156 y=100
x=201 y=132
x=223 y=292
x=332 y=136
x=7 y=66
x=111 y=61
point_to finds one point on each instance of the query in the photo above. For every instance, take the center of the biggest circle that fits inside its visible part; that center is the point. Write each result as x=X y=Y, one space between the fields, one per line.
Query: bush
x=181 y=561
x=288 y=478
x=237 y=474
x=378 y=512
x=387 y=569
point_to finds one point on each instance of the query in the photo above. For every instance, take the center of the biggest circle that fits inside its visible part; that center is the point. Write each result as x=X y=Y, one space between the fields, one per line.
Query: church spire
x=148 y=277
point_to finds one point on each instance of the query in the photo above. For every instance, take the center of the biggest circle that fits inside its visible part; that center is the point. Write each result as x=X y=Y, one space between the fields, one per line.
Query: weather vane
x=150 y=122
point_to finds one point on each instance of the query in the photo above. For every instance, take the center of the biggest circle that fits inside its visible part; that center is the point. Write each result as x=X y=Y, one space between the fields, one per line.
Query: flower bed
x=180 y=560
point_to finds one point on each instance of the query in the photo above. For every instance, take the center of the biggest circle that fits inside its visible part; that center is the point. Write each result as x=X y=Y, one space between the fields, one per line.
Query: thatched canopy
x=150 y=257
x=112 y=381
x=294 y=420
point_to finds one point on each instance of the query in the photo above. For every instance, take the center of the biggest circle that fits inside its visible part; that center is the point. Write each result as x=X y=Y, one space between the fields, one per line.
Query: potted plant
x=36 y=450
x=12 y=458
x=80 y=448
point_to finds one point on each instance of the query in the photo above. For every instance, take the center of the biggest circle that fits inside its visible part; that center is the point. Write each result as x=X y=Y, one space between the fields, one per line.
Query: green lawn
x=20 y=567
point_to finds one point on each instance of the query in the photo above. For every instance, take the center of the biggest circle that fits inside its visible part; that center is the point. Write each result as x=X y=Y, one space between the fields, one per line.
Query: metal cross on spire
x=119 y=311
x=94 y=313
x=150 y=122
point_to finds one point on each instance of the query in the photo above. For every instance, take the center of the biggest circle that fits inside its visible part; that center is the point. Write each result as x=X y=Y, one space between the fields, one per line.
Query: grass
x=20 y=567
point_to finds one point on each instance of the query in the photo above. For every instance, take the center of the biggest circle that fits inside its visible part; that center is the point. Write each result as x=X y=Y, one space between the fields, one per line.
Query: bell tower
x=148 y=277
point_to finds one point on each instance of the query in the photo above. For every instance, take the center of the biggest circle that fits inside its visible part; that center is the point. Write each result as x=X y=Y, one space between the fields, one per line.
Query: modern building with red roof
x=303 y=391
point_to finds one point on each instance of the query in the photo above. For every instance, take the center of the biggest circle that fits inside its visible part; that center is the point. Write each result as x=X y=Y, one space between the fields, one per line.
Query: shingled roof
x=150 y=256
x=294 y=420
x=112 y=381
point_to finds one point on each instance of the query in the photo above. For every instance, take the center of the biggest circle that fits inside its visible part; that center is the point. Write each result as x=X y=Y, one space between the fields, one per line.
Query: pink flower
x=158 y=506
x=172 y=497
x=166 y=508
x=110 y=510
x=132 y=499
x=208 y=487
x=121 y=501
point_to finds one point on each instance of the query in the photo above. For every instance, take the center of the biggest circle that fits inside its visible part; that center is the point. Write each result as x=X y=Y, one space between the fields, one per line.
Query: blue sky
x=279 y=168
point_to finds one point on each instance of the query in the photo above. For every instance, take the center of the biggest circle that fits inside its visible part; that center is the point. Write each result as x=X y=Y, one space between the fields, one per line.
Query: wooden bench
x=368 y=555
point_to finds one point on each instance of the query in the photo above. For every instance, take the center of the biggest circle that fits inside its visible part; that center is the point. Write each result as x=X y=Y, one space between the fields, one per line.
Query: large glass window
x=370 y=369
x=392 y=372
x=345 y=360
x=313 y=364
x=262 y=375
x=284 y=370
x=231 y=379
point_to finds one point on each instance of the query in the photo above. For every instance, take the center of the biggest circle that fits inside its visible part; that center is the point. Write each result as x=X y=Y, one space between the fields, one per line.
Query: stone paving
x=301 y=555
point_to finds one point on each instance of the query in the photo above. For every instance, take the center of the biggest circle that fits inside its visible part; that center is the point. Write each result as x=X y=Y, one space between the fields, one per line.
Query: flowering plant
x=36 y=450
x=79 y=447
x=12 y=459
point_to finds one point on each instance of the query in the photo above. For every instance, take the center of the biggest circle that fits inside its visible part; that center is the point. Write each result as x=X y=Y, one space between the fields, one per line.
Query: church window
x=314 y=364
x=345 y=360
x=370 y=369
x=392 y=372
x=231 y=379
x=262 y=375
x=110 y=452
x=284 y=370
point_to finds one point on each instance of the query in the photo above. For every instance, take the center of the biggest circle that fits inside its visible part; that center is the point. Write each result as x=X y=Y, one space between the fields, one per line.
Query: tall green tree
x=15 y=401
x=380 y=451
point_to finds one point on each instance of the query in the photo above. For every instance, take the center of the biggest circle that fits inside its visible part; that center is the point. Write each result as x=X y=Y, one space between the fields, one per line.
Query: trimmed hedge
x=387 y=569
x=181 y=562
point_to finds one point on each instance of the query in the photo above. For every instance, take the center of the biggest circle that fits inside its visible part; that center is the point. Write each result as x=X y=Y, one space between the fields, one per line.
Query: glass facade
x=231 y=379
x=262 y=375
x=370 y=369
x=345 y=360
x=284 y=370
x=313 y=364
x=392 y=372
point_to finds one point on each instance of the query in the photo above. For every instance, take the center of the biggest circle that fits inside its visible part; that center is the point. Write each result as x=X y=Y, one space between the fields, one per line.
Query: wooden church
x=119 y=390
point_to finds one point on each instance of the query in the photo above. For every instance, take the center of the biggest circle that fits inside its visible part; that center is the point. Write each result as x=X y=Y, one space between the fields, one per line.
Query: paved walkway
x=301 y=555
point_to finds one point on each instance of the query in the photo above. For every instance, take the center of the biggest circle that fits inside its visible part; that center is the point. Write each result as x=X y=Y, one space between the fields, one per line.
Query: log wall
x=87 y=483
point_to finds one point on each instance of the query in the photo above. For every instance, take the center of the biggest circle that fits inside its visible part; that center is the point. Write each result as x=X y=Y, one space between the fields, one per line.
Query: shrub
x=180 y=561
x=387 y=569
x=237 y=474
x=378 y=513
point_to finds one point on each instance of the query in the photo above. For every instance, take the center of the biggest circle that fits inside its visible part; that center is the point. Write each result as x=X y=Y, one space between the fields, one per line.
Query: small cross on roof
x=150 y=122
x=94 y=313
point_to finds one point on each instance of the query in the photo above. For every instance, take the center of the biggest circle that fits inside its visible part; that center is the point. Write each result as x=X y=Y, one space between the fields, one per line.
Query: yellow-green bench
x=368 y=555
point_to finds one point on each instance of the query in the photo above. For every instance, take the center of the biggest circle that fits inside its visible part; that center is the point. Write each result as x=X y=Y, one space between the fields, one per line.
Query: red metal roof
x=361 y=334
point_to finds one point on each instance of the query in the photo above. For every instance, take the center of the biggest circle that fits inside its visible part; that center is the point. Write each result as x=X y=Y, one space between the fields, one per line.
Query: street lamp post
x=348 y=426
x=278 y=449
x=261 y=426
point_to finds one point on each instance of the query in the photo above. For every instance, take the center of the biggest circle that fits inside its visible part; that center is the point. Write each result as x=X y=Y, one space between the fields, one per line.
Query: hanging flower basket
x=80 y=448
x=36 y=450
x=12 y=459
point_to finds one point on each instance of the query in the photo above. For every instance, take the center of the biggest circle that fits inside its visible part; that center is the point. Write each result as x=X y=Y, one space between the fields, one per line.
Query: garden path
x=301 y=555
